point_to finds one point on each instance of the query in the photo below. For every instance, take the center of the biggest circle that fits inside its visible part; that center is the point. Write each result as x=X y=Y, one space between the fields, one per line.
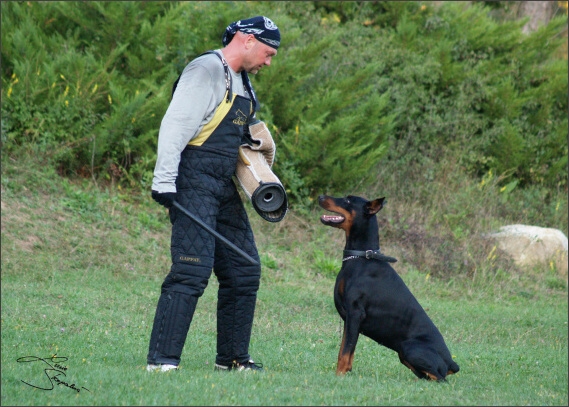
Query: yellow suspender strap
x=220 y=112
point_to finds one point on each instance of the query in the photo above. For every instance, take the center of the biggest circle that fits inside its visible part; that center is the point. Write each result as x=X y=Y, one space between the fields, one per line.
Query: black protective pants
x=195 y=253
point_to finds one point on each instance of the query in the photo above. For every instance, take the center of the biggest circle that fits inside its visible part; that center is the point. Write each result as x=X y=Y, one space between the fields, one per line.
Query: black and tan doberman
x=373 y=300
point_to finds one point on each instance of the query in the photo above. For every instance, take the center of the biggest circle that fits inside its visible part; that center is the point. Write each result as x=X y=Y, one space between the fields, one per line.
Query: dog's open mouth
x=332 y=219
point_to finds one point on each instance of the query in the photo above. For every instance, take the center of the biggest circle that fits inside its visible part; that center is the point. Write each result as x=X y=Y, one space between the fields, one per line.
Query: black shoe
x=239 y=367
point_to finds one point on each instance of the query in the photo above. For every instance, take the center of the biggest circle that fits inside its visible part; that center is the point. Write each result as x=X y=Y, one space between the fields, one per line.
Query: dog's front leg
x=349 y=340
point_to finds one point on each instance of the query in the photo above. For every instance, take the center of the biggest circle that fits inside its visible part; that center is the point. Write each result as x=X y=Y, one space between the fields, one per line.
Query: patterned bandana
x=261 y=27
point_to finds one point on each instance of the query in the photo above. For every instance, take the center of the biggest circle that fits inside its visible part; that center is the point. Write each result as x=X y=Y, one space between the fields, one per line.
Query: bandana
x=261 y=27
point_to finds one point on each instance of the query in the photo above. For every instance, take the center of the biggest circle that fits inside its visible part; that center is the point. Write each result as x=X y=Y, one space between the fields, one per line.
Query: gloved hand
x=166 y=198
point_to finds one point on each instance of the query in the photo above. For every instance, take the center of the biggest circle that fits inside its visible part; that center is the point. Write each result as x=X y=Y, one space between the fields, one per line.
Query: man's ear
x=249 y=41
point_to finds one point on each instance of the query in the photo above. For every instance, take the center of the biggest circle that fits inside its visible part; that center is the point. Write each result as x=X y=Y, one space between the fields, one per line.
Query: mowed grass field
x=81 y=273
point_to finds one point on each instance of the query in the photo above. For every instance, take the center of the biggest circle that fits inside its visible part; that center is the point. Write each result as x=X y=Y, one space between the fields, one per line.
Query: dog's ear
x=374 y=206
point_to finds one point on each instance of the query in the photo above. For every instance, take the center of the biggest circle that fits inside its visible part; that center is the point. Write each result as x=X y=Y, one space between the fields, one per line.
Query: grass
x=81 y=273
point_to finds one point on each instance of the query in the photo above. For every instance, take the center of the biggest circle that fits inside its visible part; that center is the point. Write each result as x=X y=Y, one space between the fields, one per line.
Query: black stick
x=214 y=233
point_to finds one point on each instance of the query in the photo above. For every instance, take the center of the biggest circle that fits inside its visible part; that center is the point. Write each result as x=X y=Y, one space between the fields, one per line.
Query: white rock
x=533 y=246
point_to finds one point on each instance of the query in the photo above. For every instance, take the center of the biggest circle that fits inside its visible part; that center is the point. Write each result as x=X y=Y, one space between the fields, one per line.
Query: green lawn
x=81 y=273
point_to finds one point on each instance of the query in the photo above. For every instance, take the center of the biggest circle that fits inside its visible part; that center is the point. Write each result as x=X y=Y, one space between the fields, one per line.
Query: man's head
x=262 y=28
x=250 y=44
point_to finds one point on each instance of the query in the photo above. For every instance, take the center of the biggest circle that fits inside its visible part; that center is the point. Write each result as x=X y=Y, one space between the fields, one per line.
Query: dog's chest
x=366 y=278
x=380 y=293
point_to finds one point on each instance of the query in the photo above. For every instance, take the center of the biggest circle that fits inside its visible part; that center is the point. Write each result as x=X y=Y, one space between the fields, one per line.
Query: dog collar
x=368 y=254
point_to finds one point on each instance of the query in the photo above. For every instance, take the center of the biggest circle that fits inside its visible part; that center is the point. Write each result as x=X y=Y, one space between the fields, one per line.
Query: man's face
x=258 y=56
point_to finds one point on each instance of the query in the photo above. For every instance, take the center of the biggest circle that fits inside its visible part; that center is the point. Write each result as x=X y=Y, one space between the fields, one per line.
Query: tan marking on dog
x=345 y=359
x=431 y=376
x=341 y=284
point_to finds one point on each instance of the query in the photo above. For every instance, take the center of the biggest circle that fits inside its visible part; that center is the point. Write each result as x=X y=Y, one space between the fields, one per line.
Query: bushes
x=88 y=83
x=493 y=95
x=355 y=85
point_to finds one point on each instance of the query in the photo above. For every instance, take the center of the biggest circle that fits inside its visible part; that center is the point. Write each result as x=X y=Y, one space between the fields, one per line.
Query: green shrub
x=356 y=85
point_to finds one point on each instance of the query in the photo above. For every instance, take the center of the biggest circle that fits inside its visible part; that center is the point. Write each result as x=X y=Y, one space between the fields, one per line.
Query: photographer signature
x=55 y=372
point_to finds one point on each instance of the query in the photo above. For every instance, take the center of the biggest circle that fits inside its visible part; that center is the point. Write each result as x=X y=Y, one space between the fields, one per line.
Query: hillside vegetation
x=356 y=85
x=460 y=120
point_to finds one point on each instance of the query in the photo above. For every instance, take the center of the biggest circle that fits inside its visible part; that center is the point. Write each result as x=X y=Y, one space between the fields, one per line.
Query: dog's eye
x=347 y=200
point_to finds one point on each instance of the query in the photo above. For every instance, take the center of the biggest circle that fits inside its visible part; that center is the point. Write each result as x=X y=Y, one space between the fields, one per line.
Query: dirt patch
x=19 y=222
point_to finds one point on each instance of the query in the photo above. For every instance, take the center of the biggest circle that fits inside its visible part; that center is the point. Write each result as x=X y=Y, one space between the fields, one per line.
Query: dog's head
x=351 y=212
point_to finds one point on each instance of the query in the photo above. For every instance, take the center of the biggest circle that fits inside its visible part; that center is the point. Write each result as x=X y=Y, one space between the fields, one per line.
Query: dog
x=373 y=300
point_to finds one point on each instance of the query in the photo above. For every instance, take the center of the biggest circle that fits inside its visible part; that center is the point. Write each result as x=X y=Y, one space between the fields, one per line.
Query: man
x=198 y=144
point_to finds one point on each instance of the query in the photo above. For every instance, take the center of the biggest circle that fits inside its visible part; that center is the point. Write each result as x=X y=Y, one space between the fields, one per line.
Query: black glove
x=166 y=198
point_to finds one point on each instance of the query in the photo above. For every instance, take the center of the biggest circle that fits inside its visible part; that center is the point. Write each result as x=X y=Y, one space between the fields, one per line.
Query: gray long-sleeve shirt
x=200 y=90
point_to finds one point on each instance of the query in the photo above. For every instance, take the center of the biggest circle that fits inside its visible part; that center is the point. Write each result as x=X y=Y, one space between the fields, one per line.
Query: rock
x=533 y=246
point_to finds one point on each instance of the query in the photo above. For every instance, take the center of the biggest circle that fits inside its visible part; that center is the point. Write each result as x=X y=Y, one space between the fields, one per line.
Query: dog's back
x=372 y=299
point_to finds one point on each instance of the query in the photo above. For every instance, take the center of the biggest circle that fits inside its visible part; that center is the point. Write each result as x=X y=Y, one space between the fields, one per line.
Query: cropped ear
x=374 y=206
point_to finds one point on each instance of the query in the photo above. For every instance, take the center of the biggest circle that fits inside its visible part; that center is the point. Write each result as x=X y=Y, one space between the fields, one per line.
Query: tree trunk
x=539 y=13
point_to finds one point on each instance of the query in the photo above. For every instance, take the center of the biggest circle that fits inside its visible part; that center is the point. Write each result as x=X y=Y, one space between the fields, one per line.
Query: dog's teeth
x=333 y=219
